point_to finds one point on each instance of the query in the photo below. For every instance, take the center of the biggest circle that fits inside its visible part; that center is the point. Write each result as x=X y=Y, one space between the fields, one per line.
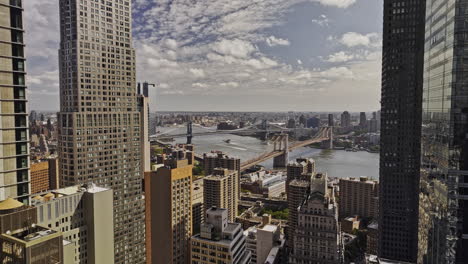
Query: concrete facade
x=84 y=215
x=219 y=241
x=14 y=134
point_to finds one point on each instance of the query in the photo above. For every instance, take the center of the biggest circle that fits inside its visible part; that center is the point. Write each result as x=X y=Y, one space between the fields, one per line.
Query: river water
x=337 y=163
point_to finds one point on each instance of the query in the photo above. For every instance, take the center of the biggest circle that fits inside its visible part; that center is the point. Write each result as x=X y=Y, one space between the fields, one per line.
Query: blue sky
x=235 y=55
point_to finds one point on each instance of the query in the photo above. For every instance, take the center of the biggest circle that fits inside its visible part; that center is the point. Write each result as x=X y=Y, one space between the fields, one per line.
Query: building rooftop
x=31 y=234
x=270 y=228
x=300 y=183
x=10 y=204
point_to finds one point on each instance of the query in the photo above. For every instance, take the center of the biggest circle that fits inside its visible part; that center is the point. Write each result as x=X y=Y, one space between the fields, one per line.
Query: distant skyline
x=235 y=55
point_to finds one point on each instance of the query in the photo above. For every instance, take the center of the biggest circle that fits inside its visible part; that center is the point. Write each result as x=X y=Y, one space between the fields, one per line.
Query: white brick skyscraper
x=99 y=121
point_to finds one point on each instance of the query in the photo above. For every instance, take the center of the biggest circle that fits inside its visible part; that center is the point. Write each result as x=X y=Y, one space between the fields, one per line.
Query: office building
x=373 y=126
x=362 y=120
x=220 y=241
x=345 y=119
x=221 y=189
x=318 y=226
x=402 y=80
x=168 y=196
x=14 y=135
x=444 y=181
x=331 y=120
x=359 y=197
x=44 y=175
x=84 y=216
x=99 y=126
x=211 y=161
x=22 y=241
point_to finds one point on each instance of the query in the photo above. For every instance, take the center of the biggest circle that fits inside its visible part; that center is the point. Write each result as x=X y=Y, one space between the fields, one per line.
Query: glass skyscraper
x=14 y=136
x=99 y=120
x=444 y=181
x=402 y=74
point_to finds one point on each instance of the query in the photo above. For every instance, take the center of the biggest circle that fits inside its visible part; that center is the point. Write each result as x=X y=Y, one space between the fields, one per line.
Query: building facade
x=14 y=135
x=444 y=181
x=220 y=241
x=402 y=80
x=317 y=237
x=220 y=190
x=359 y=197
x=22 y=241
x=84 y=216
x=345 y=119
x=168 y=192
x=99 y=128
x=211 y=161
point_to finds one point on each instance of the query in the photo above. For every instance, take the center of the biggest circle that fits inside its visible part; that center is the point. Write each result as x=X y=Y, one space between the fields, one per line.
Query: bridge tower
x=264 y=127
x=281 y=143
x=330 y=134
x=189 y=132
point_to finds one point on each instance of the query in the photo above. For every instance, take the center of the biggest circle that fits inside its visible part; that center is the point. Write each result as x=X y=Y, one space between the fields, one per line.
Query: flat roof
x=270 y=228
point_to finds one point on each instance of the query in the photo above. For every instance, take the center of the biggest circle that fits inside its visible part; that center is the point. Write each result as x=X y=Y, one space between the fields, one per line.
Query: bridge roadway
x=323 y=135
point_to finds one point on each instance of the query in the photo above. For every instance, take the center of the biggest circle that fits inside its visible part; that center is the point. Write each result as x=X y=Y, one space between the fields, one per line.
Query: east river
x=337 y=163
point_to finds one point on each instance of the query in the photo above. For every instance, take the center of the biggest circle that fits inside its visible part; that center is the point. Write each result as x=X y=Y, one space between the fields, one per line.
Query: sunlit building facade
x=99 y=127
x=14 y=136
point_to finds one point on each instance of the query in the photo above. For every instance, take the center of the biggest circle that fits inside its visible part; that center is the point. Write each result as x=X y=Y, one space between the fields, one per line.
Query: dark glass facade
x=444 y=182
x=402 y=75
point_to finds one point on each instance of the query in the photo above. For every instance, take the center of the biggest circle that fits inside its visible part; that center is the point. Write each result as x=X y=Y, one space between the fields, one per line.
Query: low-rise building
x=268 y=184
x=265 y=242
x=350 y=223
x=22 y=241
x=84 y=215
x=219 y=241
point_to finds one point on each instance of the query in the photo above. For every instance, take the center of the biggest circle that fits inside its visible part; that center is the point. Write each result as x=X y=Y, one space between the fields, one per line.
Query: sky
x=234 y=55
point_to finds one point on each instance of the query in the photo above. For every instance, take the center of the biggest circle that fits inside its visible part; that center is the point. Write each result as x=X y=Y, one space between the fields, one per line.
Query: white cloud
x=198 y=73
x=322 y=21
x=274 y=41
x=230 y=84
x=337 y=3
x=340 y=57
x=338 y=72
x=353 y=39
x=236 y=48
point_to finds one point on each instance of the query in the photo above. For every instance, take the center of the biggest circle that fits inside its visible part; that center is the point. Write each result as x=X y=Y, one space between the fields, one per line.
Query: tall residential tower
x=14 y=138
x=99 y=119
x=402 y=81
